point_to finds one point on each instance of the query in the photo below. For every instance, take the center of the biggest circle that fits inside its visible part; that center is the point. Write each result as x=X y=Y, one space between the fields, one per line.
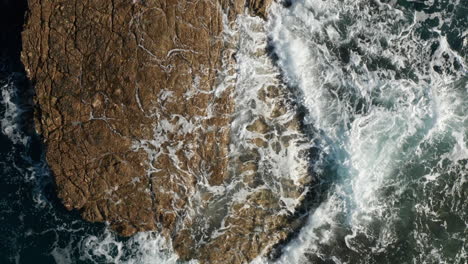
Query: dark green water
x=33 y=223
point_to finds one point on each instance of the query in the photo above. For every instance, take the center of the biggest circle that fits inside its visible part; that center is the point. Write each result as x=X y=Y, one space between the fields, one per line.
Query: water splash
x=388 y=94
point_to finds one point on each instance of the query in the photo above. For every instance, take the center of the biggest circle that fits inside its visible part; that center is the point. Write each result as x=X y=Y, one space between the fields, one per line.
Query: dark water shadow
x=33 y=221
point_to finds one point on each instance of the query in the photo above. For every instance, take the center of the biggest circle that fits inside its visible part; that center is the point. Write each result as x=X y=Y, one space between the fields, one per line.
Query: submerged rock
x=134 y=101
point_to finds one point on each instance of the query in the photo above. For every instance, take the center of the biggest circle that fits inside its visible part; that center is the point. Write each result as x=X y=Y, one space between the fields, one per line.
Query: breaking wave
x=386 y=91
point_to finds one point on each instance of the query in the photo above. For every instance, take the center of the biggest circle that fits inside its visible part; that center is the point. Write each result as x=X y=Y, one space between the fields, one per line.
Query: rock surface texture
x=134 y=106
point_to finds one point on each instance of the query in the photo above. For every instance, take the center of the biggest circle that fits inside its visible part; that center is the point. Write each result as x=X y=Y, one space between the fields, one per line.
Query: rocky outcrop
x=104 y=73
x=136 y=117
x=259 y=7
x=268 y=154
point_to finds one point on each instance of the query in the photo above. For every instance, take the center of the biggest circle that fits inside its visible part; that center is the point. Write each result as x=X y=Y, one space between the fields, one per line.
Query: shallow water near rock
x=383 y=86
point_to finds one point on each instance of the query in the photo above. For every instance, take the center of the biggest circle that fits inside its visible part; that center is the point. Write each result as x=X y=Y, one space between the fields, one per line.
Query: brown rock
x=259 y=7
x=259 y=126
x=134 y=126
x=104 y=71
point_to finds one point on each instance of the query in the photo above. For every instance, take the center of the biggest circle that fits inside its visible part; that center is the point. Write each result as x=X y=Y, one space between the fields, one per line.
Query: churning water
x=383 y=87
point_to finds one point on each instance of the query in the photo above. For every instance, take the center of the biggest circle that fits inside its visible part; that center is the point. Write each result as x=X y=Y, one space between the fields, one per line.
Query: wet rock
x=104 y=72
x=267 y=161
x=259 y=126
x=259 y=7
x=137 y=126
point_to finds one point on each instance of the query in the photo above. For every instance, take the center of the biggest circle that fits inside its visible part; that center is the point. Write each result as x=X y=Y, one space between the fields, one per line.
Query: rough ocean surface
x=295 y=131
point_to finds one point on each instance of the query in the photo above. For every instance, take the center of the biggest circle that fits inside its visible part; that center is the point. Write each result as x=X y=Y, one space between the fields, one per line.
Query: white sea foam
x=9 y=121
x=251 y=75
x=145 y=247
x=373 y=122
x=255 y=75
